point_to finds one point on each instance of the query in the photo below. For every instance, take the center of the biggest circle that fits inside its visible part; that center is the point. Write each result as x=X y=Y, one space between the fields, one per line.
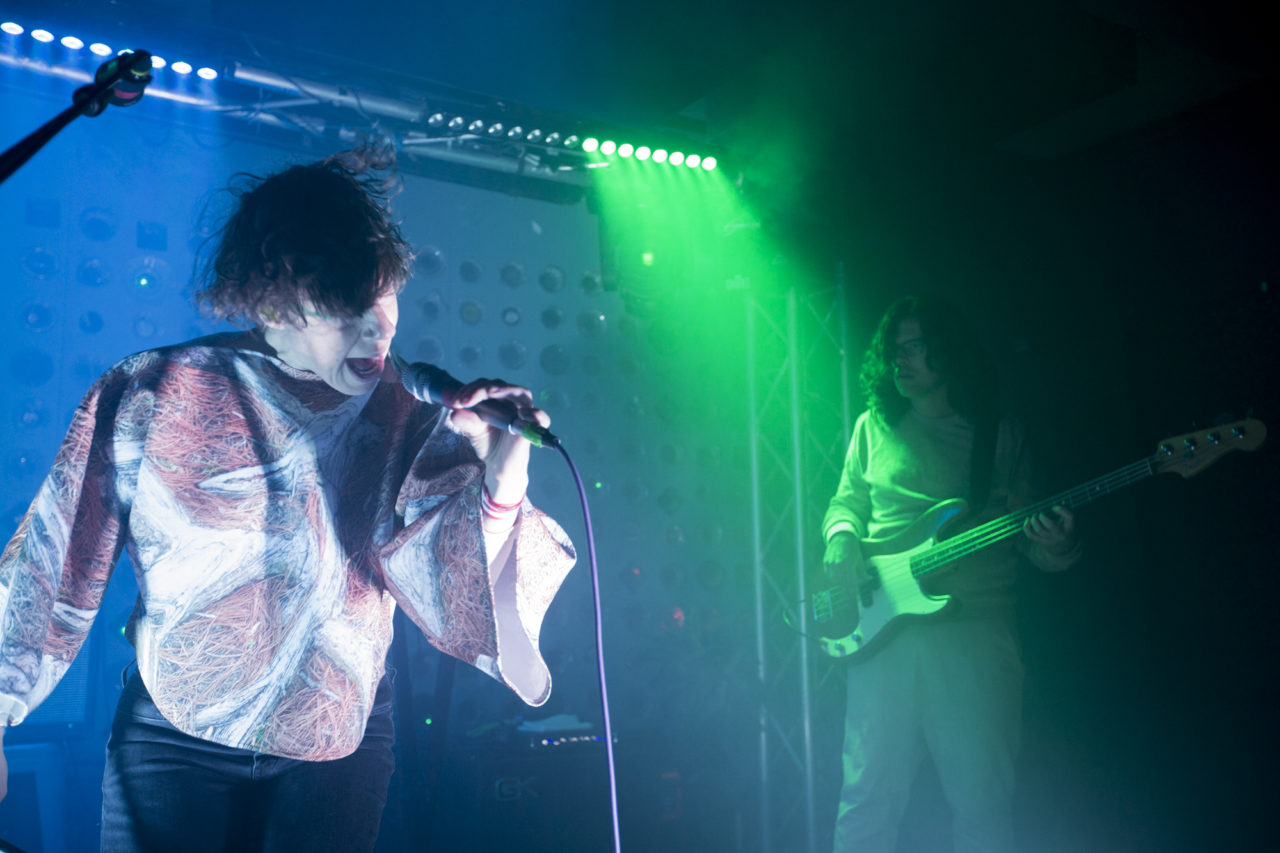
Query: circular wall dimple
x=512 y=355
x=552 y=317
x=591 y=282
x=40 y=263
x=470 y=271
x=36 y=316
x=429 y=262
x=470 y=353
x=470 y=312
x=149 y=277
x=432 y=307
x=430 y=350
x=145 y=327
x=99 y=224
x=91 y=273
x=554 y=359
x=551 y=279
x=591 y=323
x=511 y=274
x=553 y=400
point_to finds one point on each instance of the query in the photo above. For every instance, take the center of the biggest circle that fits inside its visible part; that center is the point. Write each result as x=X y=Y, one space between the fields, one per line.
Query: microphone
x=125 y=77
x=430 y=384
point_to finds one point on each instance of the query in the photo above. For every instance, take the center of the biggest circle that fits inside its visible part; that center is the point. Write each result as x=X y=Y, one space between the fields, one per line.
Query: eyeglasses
x=909 y=349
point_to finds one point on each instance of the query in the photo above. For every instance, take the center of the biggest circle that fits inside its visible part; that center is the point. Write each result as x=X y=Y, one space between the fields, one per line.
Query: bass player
x=949 y=684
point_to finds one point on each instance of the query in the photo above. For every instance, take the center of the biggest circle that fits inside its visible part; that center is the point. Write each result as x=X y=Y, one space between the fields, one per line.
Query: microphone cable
x=604 y=690
x=426 y=382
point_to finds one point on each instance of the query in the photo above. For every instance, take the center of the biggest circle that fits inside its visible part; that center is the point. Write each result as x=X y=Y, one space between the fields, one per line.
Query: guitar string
x=994 y=531
x=1000 y=528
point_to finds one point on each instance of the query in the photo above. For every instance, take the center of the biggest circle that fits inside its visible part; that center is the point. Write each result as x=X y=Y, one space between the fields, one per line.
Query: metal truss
x=800 y=424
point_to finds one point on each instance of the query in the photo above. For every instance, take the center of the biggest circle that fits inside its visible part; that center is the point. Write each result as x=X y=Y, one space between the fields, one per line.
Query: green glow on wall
x=686 y=250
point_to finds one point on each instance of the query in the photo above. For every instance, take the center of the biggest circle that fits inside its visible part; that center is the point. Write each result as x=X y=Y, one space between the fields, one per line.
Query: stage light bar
x=606 y=149
x=476 y=130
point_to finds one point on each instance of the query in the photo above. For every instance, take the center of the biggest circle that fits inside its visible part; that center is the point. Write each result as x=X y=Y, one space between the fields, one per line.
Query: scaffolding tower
x=800 y=425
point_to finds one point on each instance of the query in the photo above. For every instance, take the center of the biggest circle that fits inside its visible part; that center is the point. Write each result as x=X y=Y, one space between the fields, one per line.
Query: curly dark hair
x=320 y=232
x=953 y=350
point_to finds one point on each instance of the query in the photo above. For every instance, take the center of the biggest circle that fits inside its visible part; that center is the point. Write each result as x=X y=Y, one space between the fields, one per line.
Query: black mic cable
x=431 y=384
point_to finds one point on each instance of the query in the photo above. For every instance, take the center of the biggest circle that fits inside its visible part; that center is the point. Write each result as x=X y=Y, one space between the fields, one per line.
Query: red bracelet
x=488 y=499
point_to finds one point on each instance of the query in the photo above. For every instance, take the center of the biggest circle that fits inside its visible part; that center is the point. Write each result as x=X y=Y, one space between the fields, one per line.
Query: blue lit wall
x=99 y=236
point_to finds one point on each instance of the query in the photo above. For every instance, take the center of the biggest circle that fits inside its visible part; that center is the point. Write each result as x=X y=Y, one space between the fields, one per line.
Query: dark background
x=1096 y=184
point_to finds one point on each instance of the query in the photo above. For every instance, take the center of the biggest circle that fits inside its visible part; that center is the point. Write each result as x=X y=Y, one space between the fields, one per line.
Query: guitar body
x=852 y=628
x=852 y=623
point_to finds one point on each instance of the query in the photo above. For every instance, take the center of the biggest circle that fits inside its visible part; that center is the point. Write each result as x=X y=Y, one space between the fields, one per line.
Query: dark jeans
x=164 y=790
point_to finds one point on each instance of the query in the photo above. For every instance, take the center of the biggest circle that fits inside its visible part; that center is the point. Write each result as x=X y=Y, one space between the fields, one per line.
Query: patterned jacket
x=273 y=524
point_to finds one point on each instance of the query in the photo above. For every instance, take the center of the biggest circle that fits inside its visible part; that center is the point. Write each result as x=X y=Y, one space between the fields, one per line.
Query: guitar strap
x=983 y=461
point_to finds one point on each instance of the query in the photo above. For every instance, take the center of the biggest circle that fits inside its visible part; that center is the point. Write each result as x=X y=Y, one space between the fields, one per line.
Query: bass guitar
x=852 y=623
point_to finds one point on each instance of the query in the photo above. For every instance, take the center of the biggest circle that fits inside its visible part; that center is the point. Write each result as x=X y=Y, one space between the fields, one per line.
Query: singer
x=279 y=494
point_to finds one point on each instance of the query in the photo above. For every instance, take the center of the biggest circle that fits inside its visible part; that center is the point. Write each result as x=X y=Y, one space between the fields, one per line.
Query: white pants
x=953 y=687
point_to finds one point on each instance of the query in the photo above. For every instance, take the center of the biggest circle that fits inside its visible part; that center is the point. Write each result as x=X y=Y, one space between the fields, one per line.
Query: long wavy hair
x=952 y=349
x=320 y=232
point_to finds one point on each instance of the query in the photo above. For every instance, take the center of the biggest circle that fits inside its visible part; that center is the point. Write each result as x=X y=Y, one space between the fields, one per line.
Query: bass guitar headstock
x=1191 y=453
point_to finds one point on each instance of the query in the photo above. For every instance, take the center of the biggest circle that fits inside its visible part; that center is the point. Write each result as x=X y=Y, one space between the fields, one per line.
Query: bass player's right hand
x=843 y=563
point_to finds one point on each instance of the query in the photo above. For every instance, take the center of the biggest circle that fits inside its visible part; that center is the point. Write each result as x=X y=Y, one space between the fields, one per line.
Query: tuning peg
x=1214 y=438
x=1190 y=443
x=1238 y=432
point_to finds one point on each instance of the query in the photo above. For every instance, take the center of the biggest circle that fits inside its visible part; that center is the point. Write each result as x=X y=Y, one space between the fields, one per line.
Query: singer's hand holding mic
x=500 y=421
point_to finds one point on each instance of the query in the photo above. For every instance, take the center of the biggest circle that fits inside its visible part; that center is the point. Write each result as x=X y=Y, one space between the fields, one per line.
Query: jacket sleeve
x=850 y=508
x=486 y=610
x=55 y=568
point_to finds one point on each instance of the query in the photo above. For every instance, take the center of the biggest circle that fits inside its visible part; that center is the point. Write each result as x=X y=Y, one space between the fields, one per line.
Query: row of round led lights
x=609 y=148
x=590 y=145
x=496 y=130
x=99 y=49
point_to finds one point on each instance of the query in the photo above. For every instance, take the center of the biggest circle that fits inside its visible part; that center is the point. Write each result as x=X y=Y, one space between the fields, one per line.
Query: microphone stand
x=133 y=68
